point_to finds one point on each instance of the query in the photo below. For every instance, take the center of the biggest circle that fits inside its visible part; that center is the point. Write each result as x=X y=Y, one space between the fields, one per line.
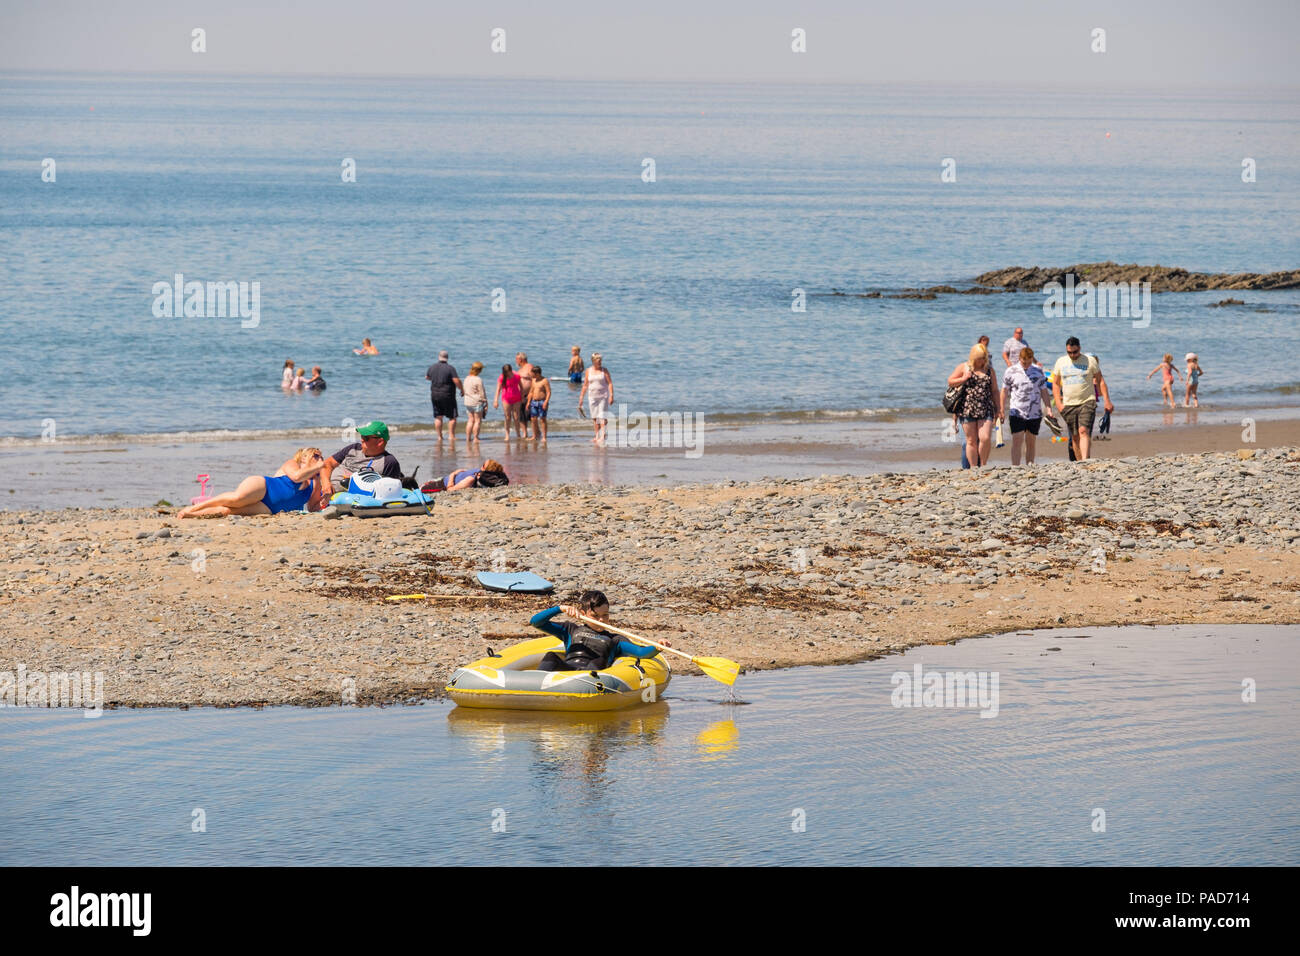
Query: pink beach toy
x=203 y=487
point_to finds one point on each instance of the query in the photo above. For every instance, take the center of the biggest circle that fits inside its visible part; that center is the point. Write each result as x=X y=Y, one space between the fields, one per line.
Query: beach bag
x=491 y=479
x=954 y=396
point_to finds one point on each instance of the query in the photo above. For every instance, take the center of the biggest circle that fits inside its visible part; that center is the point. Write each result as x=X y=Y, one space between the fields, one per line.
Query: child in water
x=576 y=366
x=586 y=647
x=1167 y=370
x=539 y=401
x=366 y=349
x=1194 y=371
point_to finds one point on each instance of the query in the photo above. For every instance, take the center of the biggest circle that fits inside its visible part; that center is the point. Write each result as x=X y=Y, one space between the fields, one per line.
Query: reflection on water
x=568 y=755
x=716 y=739
x=1148 y=724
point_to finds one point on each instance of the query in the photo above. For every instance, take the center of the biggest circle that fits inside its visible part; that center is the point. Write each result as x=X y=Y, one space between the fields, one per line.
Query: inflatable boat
x=368 y=506
x=509 y=680
x=371 y=495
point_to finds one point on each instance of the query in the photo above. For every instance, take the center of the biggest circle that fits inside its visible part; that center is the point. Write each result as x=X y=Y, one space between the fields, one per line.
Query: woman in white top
x=1026 y=397
x=599 y=389
x=475 y=401
x=286 y=379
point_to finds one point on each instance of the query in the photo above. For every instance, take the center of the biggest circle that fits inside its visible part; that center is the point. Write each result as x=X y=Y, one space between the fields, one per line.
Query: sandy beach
x=772 y=573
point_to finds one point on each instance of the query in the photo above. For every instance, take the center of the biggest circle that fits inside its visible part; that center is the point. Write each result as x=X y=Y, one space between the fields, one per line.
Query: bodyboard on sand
x=523 y=582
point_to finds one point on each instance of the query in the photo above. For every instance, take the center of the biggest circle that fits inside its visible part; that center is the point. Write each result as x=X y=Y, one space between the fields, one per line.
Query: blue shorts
x=966 y=421
x=537 y=409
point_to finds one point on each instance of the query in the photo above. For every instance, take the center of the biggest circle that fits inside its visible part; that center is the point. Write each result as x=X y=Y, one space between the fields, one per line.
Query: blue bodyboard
x=524 y=582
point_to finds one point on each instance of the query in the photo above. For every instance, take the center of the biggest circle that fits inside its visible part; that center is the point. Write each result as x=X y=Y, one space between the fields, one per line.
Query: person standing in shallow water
x=509 y=396
x=1167 y=369
x=598 y=387
x=475 y=401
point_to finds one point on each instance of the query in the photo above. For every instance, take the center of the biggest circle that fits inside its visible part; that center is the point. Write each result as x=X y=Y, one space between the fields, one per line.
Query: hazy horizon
x=1154 y=45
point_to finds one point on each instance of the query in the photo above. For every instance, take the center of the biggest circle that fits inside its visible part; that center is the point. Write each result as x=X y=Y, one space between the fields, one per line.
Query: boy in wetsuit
x=586 y=647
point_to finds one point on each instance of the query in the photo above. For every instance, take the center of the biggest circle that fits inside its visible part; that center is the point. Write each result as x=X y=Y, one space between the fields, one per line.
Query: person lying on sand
x=297 y=483
x=586 y=647
x=489 y=475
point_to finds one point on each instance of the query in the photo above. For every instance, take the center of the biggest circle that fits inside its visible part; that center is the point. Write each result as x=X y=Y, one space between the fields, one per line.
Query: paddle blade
x=719 y=668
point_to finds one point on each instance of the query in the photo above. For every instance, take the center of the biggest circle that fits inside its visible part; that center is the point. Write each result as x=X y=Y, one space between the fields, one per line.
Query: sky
x=1022 y=43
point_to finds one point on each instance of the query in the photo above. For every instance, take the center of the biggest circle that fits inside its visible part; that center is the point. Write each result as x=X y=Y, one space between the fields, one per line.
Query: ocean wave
x=333 y=433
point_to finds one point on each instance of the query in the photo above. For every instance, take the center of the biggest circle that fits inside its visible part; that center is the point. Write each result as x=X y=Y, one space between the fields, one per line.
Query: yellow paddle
x=719 y=668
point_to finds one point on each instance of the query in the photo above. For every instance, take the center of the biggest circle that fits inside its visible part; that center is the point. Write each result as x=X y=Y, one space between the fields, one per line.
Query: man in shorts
x=1073 y=379
x=369 y=453
x=444 y=383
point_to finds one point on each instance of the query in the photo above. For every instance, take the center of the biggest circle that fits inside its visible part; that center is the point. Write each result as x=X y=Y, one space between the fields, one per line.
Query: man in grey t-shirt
x=1012 y=346
x=444 y=383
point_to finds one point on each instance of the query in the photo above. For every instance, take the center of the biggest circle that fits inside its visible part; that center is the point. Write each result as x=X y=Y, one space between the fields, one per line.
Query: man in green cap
x=371 y=453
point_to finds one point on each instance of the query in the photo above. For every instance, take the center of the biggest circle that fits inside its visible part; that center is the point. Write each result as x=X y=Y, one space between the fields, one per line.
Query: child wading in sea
x=1167 y=370
x=539 y=400
x=586 y=647
x=576 y=366
x=1194 y=371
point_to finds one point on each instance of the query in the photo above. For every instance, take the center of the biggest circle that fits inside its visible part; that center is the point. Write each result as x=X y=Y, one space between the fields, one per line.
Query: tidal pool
x=1171 y=746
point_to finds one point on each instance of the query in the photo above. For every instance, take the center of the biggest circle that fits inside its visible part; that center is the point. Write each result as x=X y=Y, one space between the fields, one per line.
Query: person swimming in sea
x=366 y=349
x=296 y=484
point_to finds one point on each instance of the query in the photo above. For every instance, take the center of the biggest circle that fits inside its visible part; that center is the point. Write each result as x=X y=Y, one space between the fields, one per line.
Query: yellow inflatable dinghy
x=509 y=680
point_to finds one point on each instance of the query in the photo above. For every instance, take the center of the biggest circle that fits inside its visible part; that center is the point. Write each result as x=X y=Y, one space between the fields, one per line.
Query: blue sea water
x=684 y=284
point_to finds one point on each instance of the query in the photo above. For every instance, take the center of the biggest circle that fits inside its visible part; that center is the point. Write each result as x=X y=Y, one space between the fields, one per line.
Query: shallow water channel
x=1109 y=745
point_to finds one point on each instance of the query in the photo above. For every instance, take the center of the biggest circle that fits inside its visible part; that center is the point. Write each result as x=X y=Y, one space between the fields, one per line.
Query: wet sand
x=71 y=473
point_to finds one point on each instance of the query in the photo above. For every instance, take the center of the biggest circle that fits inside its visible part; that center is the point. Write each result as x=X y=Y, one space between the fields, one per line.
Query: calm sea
x=684 y=284
x=1118 y=746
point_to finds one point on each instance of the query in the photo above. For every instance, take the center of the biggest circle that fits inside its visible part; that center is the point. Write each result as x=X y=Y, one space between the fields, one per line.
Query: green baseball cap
x=373 y=428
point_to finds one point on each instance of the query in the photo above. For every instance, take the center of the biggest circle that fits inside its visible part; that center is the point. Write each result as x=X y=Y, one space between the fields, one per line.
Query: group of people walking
x=523 y=393
x=1076 y=385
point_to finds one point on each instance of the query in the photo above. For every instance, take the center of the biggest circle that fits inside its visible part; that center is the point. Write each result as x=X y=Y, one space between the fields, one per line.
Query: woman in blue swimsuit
x=296 y=484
